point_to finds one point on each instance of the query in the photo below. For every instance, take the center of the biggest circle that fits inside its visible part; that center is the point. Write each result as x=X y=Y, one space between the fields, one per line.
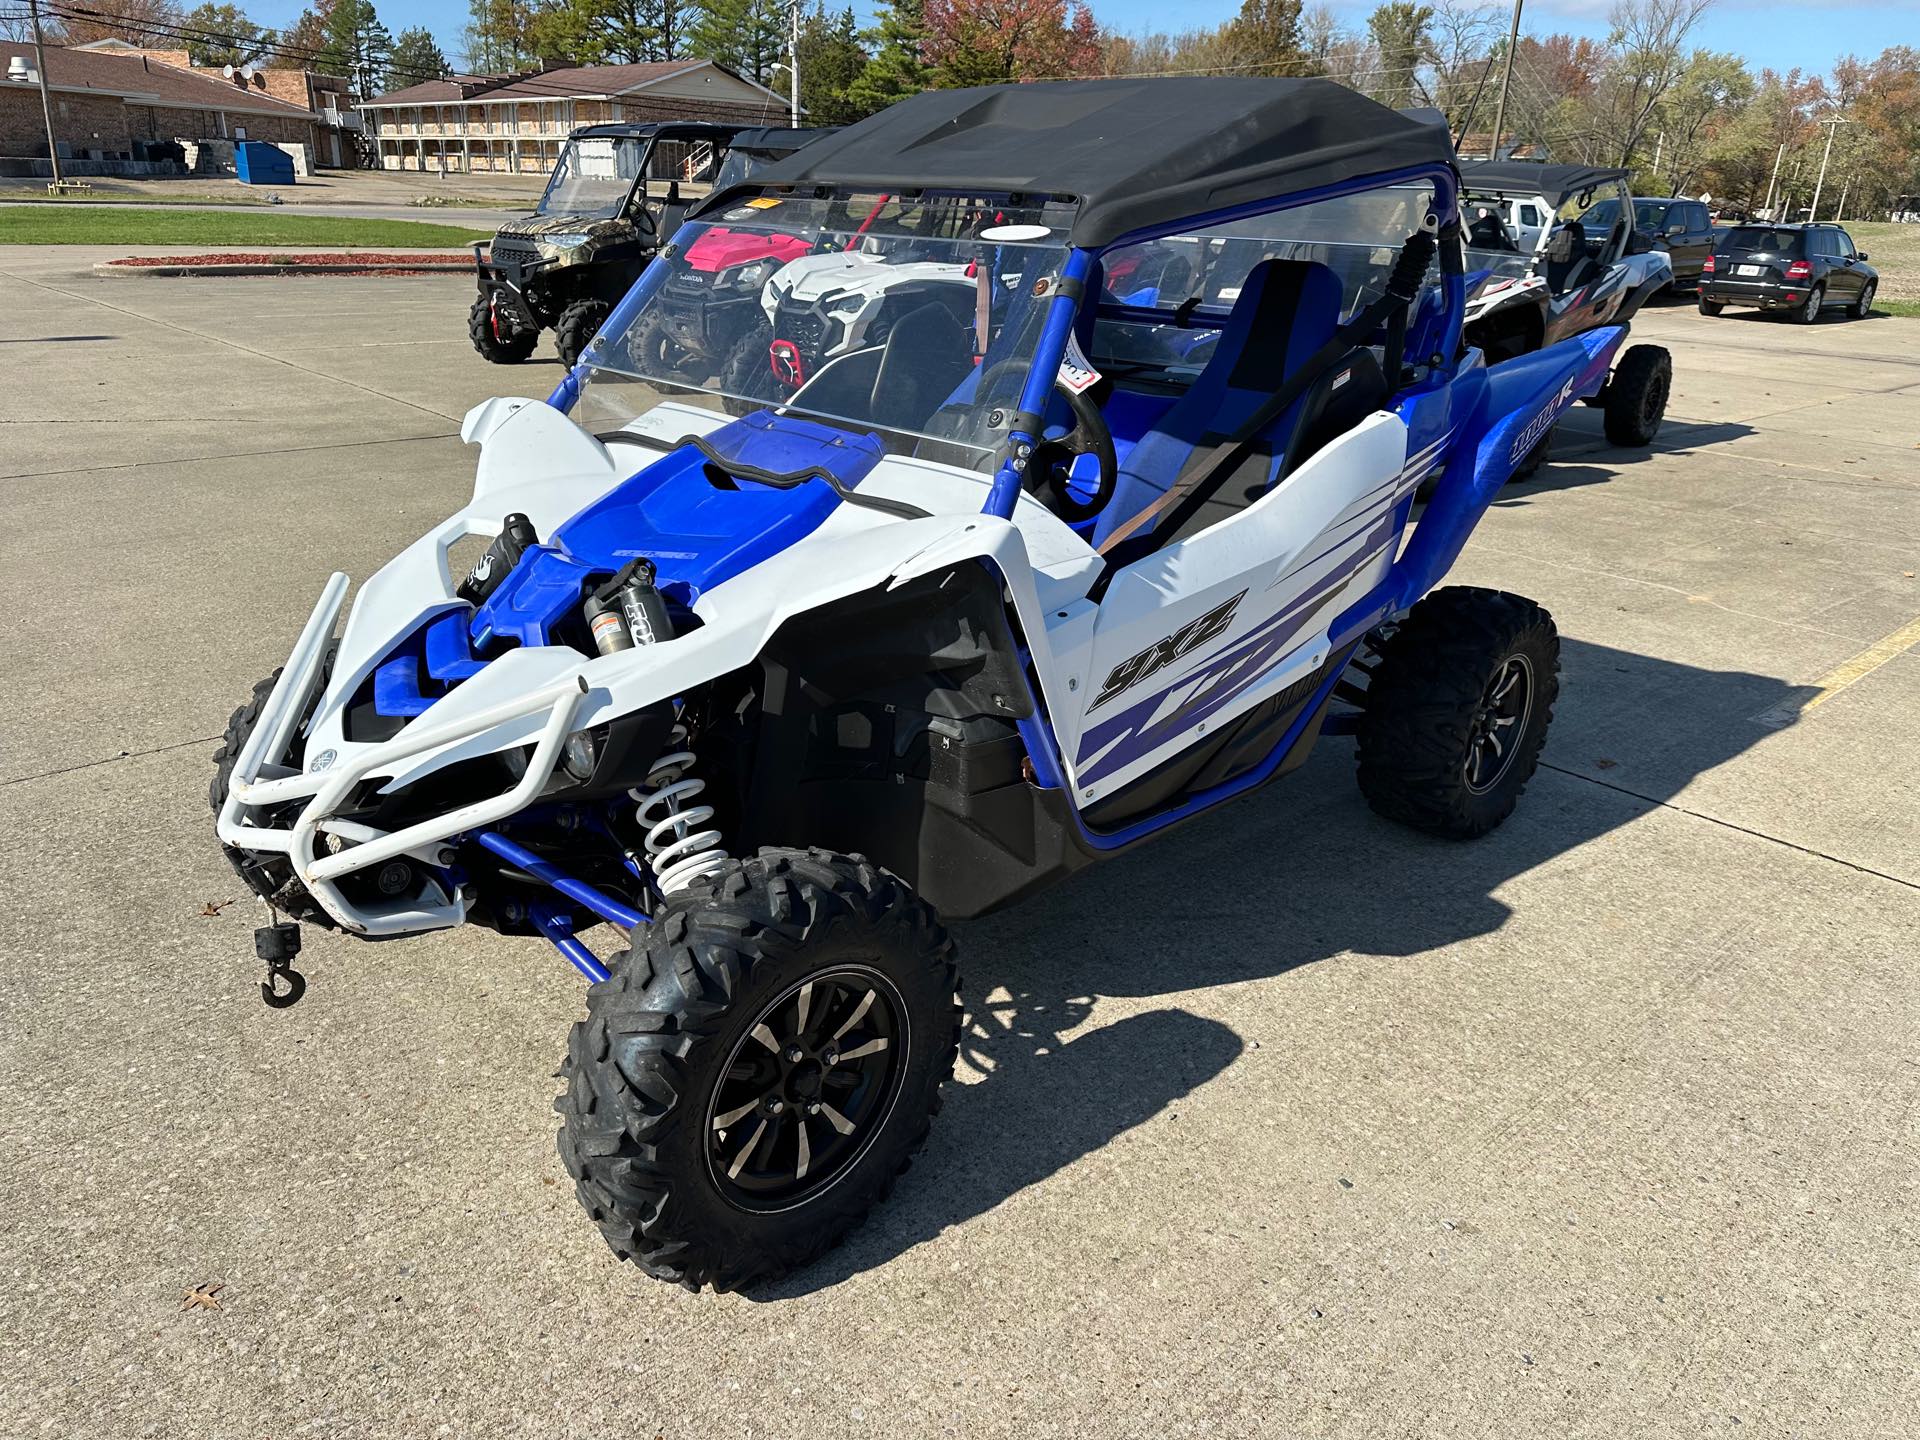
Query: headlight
x=752 y=277
x=564 y=242
x=852 y=303
x=582 y=751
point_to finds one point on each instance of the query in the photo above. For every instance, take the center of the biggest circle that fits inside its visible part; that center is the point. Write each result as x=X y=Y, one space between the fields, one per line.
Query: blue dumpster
x=258 y=163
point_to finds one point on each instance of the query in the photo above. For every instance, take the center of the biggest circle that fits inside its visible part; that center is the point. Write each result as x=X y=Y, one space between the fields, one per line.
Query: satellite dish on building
x=247 y=72
x=227 y=70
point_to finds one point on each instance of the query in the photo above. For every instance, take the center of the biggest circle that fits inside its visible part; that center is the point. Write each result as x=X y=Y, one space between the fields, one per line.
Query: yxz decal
x=1161 y=653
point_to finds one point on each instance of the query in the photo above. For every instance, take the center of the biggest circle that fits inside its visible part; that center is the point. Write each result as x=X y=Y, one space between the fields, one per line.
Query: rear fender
x=1517 y=402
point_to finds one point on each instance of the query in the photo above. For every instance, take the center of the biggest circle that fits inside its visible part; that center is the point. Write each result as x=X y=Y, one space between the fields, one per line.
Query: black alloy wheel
x=807 y=1088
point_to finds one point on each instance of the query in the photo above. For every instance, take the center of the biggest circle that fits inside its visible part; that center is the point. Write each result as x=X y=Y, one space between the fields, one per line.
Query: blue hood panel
x=699 y=528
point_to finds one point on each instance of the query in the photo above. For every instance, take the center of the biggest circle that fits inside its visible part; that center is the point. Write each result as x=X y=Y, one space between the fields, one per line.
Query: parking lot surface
x=1291 y=1123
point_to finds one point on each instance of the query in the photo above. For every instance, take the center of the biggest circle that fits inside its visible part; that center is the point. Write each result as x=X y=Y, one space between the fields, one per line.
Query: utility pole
x=1833 y=125
x=1779 y=155
x=46 y=105
x=793 y=54
x=1658 y=146
x=1506 y=79
x=1839 y=213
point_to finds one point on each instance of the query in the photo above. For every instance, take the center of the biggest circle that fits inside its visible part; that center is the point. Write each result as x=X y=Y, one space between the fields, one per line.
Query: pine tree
x=831 y=59
x=357 y=45
x=498 y=38
x=749 y=37
x=895 y=69
x=416 y=56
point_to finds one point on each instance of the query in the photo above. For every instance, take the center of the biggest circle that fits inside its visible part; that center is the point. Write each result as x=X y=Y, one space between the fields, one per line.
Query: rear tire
x=1710 y=307
x=486 y=336
x=766 y=960
x=577 y=325
x=1457 y=711
x=1636 y=396
x=1809 y=311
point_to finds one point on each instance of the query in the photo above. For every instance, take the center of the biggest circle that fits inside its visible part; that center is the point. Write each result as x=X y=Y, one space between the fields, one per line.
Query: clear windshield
x=593 y=177
x=1503 y=234
x=915 y=318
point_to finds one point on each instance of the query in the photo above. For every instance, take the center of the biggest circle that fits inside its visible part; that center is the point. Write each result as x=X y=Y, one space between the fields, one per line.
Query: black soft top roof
x=777 y=140
x=1138 y=153
x=1556 y=182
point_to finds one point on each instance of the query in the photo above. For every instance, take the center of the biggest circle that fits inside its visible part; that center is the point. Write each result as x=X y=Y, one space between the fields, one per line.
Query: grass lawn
x=121 y=225
x=122 y=197
x=1893 y=250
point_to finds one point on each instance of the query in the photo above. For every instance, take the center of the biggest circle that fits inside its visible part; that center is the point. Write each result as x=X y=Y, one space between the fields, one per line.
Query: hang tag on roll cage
x=1076 y=371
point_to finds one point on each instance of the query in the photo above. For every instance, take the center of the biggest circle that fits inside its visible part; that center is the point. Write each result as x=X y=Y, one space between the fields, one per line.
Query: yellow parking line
x=1832 y=683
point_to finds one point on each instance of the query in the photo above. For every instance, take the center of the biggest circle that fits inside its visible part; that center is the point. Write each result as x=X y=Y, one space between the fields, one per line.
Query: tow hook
x=277 y=945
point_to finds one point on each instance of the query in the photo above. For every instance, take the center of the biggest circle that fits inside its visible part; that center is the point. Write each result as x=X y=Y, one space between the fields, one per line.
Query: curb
x=425 y=267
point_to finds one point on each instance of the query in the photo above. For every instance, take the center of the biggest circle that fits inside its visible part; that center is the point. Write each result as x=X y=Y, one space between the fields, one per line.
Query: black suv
x=1685 y=228
x=1797 y=268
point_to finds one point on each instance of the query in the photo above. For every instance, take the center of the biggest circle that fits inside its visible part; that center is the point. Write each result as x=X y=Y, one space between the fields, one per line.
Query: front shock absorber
x=627 y=611
x=679 y=852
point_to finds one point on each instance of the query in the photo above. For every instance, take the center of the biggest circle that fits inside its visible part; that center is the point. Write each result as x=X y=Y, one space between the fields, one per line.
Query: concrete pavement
x=1289 y=1124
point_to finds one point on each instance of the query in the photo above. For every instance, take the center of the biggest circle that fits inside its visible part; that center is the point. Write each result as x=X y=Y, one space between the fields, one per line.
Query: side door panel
x=1207 y=627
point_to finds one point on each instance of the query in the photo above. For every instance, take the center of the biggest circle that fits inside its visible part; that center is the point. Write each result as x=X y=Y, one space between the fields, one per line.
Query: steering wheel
x=1048 y=464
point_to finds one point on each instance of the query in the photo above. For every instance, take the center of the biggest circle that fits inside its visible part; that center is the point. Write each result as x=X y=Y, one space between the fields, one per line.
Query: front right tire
x=497 y=342
x=759 y=1068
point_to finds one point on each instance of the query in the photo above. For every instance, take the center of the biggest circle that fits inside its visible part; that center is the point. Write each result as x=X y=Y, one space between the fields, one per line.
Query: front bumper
x=506 y=274
x=261 y=781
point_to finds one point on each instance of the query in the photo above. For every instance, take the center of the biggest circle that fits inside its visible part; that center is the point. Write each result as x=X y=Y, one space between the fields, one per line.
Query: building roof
x=438 y=92
x=565 y=82
x=146 y=81
x=1138 y=153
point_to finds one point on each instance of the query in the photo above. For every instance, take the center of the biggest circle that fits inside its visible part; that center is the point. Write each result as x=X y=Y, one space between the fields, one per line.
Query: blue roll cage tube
x=1450 y=516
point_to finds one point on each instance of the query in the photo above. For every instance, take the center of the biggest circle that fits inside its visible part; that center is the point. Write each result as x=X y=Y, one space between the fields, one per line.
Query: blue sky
x=1811 y=36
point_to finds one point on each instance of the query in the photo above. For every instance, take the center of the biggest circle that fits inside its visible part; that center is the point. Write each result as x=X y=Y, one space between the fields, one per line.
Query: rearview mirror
x=1860 y=255
x=1678 y=227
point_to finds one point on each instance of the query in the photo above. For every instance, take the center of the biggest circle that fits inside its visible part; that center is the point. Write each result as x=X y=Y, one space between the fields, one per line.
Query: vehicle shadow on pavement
x=1582 y=456
x=1296 y=872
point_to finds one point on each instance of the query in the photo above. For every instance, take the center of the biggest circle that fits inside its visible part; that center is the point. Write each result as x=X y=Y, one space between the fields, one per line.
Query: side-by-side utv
x=768 y=698
x=616 y=195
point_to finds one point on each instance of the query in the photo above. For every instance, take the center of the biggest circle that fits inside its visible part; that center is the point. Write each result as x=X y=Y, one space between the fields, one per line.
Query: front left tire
x=577 y=325
x=1457 y=710
x=759 y=1068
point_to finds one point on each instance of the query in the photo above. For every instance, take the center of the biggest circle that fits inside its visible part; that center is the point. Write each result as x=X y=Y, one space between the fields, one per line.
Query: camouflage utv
x=616 y=196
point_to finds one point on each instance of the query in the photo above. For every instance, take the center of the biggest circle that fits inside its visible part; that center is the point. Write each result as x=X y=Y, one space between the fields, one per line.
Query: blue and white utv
x=1012 y=587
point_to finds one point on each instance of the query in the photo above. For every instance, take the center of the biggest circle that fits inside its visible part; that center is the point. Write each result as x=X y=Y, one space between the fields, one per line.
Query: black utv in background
x=1797 y=269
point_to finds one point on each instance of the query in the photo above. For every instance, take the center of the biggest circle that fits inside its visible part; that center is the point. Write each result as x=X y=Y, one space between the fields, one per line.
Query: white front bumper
x=261 y=780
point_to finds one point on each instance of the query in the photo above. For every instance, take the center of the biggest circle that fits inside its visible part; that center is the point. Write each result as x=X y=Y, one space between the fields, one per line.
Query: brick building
x=517 y=122
x=109 y=101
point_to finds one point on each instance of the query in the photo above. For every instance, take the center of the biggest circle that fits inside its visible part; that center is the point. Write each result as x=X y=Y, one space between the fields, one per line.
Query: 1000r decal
x=1161 y=653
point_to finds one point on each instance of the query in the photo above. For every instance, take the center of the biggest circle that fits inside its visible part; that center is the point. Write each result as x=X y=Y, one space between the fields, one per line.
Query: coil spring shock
x=678 y=852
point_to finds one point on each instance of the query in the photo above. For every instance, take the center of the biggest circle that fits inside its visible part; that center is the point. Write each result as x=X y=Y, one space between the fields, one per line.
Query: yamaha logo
x=323 y=761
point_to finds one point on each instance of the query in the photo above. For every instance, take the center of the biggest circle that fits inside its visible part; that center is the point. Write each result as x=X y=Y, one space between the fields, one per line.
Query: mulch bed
x=329 y=262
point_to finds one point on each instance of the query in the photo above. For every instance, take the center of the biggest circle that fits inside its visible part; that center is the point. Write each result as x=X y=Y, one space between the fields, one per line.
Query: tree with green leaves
x=749 y=37
x=612 y=32
x=357 y=45
x=416 y=56
x=1265 y=38
x=894 y=69
x=223 y=35
x=1402 y=36
x=498 y=38
x=831 y=59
